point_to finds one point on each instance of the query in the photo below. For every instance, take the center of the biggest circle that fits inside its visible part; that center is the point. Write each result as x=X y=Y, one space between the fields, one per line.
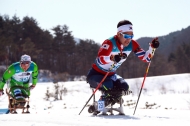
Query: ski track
x=71 y=118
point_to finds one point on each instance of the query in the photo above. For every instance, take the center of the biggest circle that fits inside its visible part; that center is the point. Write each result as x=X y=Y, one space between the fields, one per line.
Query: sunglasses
x=25 y=62
x=126 y=36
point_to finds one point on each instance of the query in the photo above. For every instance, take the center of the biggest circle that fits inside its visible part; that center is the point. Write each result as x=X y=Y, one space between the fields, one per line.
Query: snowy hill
x=169 y=95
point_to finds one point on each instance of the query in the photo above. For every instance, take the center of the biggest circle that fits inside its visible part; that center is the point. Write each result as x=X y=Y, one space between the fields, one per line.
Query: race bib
x=101 y=105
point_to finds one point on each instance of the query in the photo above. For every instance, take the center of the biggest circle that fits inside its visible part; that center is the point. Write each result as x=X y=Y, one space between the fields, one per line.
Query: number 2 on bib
x=101 y=105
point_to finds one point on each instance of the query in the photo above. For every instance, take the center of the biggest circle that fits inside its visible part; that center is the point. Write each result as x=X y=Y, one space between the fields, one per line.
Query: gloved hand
x=1 y=92
x=117 y=58
x=32 y=87
x=155 y=43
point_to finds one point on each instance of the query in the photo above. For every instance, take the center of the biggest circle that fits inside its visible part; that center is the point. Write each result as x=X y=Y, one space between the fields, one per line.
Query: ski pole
x=98 y=87
x=144 y=81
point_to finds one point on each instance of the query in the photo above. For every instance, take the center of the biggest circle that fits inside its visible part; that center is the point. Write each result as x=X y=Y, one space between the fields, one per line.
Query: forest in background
x=61 y=54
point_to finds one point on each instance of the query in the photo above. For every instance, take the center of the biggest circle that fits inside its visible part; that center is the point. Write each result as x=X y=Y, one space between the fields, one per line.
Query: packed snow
x=165 y=100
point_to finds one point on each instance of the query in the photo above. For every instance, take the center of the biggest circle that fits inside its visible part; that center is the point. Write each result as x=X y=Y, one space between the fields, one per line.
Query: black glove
x=117 y=58
x=155 y=43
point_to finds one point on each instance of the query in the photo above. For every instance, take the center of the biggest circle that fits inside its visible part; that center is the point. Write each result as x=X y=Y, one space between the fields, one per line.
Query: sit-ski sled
x=15 y=104
x=98 y=106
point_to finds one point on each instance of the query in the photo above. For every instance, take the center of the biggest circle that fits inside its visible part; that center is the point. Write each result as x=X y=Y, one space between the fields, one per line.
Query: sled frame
x=15 y=104
x=109 y=109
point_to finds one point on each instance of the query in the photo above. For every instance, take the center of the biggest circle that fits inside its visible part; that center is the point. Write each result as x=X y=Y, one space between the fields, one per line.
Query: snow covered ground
x=169 y=95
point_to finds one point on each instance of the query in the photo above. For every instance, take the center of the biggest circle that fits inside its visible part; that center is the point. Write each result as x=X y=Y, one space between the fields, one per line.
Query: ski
x=4 y=111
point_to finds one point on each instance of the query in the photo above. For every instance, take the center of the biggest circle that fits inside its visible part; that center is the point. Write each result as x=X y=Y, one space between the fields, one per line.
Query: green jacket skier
x=19 y=74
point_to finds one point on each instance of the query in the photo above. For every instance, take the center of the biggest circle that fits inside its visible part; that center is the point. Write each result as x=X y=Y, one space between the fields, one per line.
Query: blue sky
x=97 y=19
